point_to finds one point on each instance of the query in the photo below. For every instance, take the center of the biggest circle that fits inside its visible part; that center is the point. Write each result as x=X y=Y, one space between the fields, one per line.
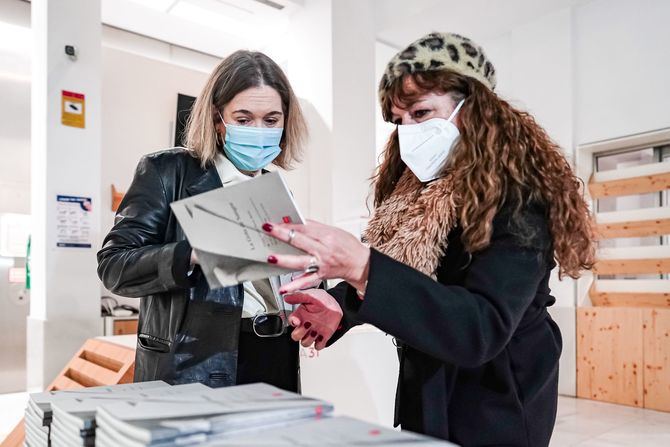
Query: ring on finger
x=291 y=235
x=313 y=266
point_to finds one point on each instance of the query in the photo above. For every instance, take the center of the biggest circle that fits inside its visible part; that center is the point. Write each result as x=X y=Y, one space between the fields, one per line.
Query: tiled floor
x=586 y=423
x=580 y=423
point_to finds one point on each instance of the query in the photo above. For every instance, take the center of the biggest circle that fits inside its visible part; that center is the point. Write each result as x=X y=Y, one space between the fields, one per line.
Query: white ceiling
x=400 y=22
x=216 y=27
x=219 y=27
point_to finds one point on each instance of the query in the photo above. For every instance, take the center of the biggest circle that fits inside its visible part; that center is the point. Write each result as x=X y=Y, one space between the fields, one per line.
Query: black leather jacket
x=186 y=332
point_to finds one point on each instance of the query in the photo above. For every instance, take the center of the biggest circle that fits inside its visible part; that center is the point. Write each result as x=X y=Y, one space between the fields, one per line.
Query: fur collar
x=413 y=223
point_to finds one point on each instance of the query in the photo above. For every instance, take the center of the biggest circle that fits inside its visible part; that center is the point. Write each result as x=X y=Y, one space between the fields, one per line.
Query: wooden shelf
x=630 y=186
x=632 y=266
x=640 y=228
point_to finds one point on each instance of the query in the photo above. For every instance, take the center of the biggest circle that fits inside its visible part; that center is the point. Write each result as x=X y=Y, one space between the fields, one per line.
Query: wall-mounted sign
x=73 y=221
x=73 y=109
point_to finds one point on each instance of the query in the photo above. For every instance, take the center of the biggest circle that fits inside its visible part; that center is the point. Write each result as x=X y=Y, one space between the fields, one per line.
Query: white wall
x=138 y=113
x=15 y=111
x=623 y=62
x=140 y=81
x=383 y=54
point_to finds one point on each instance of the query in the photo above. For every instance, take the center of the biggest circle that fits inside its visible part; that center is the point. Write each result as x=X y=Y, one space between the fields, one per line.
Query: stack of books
x=37 y=422
x=157 y=414
x=74 y=418
x=195 y=418
x=39 y=412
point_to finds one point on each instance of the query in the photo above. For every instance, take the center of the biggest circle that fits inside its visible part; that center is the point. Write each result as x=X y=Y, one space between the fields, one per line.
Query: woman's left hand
x=333 y=253
x=316 y=319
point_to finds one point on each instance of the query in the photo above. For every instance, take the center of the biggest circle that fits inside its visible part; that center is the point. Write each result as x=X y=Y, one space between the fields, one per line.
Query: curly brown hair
x=503 y=156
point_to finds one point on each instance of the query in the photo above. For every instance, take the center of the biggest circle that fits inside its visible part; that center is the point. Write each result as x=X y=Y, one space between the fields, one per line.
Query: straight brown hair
x=238 y=72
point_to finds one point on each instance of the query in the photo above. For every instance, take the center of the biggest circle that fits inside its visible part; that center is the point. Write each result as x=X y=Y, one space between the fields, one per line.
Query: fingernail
x=308 y=325
x=313 y=334
x=282 y=291
x=272 y=260
x=319 y=339
x=267 y=227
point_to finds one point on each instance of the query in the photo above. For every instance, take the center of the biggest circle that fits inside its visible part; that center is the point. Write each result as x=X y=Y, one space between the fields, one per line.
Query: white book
x=41 y=402
x=39 y=411
x=224 y=227
x=221 y=410
x=37 y=426
x=61 y=435
x=336 y=431
x=80 y=411
x=74 y=418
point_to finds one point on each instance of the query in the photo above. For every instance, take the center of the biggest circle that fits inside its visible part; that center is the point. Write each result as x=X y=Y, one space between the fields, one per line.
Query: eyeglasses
x=268 y=325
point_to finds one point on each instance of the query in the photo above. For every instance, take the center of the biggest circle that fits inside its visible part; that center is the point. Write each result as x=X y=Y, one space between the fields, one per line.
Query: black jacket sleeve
x=135 y=260
x=348 y=300
x=464 y=325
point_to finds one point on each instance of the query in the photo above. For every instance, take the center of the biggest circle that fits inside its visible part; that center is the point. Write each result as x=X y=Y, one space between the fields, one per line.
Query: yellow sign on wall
x=73 y=110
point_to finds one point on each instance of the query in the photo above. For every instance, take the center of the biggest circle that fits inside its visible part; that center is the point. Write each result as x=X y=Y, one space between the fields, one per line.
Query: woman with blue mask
x=246 y=118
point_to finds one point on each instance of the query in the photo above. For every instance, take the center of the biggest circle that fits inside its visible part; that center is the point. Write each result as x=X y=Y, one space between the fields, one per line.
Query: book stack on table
x=39 y=412
x=202 y=417
x=74 y=419
x=157 y=414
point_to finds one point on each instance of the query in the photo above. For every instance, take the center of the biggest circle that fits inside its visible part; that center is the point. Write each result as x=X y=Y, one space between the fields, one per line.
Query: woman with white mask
x=474 y=208
x=245 y=118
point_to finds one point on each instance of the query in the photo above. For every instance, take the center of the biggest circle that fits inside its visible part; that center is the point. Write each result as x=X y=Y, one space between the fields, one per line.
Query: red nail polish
x=267 y=227
x=282 y=291
x=308 y=325
x=272 y=259
x=319 y=339
x=313 y=334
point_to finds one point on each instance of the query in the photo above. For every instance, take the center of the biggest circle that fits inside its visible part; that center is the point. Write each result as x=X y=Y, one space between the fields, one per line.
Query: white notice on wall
x=73 y=221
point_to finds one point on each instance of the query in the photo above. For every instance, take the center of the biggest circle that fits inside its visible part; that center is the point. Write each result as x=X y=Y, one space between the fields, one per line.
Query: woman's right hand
x=316 y=319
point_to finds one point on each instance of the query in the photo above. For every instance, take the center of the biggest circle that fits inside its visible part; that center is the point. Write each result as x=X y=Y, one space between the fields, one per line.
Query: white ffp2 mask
x=424 y=147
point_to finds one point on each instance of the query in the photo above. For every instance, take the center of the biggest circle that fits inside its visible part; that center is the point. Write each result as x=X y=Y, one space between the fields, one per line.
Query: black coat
x=478 y=350
x=187 y=332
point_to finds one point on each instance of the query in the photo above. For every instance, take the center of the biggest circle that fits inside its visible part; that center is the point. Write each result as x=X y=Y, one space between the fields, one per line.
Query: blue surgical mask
x=251 y=148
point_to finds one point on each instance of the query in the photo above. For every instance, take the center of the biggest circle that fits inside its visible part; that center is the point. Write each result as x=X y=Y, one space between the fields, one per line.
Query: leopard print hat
x=440 y=51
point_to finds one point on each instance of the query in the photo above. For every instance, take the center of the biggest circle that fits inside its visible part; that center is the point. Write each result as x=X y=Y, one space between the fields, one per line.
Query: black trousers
x=271 y=360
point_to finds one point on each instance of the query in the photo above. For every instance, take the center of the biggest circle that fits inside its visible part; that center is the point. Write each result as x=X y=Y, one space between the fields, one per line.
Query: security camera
x=71 y=51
